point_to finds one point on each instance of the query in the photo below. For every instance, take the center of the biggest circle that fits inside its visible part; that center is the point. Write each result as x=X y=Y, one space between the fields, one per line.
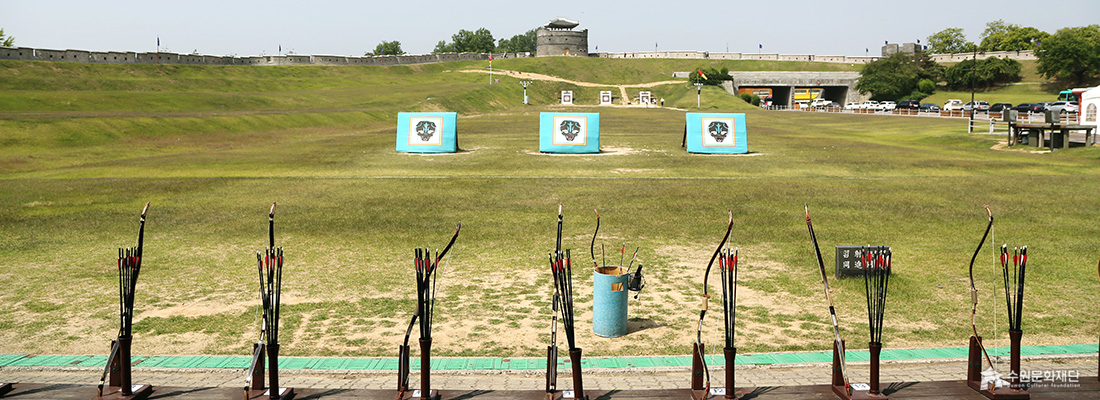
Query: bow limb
x=458 y=227
x=592 y=246
x=706 y=299
x=706 y=275
x=974 y=289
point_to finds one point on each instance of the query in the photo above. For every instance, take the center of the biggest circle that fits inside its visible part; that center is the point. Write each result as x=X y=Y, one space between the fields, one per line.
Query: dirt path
x=586 y=85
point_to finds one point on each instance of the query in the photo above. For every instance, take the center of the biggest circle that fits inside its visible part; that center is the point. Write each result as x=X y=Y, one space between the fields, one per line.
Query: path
x=542 y=77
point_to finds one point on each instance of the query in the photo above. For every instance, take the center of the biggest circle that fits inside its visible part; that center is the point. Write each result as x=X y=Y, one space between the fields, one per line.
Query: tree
x=519 y=43
x=715 y=76
x=387 y=48
x=982 y=74
x=443 y=47
x=950 y=40
x=1071 y=54
x=1002 y=36
x=898 y=76
x=479 y=41
x=6 y=41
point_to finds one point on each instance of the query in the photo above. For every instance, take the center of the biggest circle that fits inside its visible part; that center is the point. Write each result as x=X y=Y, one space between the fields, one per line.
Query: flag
x=490 y=56
x=701 y=75
x=918 y=41
x=280 y=49
x=761 y=46
x=158 y=42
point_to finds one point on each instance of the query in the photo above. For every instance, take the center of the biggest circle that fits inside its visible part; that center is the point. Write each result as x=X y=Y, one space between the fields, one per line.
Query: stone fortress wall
x=129 y=57
x=120 y=57
x=704 y=55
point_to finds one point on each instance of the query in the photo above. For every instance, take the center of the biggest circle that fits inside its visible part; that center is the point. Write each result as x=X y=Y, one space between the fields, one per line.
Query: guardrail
x=982 y=118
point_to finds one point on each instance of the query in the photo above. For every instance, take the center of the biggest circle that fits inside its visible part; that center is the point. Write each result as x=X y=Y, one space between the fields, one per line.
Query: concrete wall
x=838 y=86
x=551 y=42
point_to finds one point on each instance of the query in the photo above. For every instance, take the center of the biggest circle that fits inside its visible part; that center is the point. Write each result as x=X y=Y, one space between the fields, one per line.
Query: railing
x=982 y=118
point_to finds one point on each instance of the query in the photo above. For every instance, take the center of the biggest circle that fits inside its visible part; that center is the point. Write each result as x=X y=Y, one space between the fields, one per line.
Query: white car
x=953 y=105
x=888 y=105
x=870 y=105
x=852 y=106
x=1063 y=107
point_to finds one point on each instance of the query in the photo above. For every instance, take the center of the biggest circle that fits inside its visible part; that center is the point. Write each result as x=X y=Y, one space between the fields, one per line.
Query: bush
x=926 y=86
x=750 y=98
x=714 y=76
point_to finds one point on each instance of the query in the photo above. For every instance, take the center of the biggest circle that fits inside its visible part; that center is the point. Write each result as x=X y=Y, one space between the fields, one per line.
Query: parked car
x=1063 y=107
x=823 y=103
x=851 y=106
x=977 y=106
x=870 y=105
x=1042 y=106
x=908 y=105
x=999 y=107
x=929 y=107
x=953 y=105
x=1028 y=108
x=887 y=105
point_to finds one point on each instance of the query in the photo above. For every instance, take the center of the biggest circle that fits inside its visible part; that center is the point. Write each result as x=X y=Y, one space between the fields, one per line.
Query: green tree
x=950 y=40
x=1071 y=54
x=1002 y=36
x=897 y=76
x=479 y=41
x=524 y=42
x=715 y=76
x=6 y=41
x=387 y=48
x=982 y=74
x=443 y=47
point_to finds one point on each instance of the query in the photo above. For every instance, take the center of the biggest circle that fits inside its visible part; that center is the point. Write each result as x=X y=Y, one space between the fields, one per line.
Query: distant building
x=892 y=48
x=558 y=38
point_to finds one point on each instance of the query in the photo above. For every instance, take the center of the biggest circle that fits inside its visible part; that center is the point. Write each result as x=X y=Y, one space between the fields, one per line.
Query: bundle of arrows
x=876 y=280
x=129 y=267
x=727 y=261
x=561 y=268
x=269 y=266
x=1014 y=284
x=426 y=267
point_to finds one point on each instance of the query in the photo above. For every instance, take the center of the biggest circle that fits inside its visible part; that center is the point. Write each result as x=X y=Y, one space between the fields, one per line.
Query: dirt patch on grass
x=604 y=151
x=459 y=152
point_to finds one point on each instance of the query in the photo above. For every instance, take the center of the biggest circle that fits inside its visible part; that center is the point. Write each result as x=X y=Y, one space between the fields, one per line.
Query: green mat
x=496 y=364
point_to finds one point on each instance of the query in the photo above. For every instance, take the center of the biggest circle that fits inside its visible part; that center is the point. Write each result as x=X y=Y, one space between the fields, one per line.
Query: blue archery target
x=427 y=133
x=569 y=133
x=715 y=133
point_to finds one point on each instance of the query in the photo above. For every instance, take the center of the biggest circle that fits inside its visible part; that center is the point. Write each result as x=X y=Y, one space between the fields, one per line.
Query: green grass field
x=84 y=146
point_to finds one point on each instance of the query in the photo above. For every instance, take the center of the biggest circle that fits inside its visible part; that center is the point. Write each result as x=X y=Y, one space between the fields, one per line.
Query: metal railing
x=980 y=117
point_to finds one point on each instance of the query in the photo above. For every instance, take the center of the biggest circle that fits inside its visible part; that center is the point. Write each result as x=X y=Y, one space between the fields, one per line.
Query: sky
x=342 y=27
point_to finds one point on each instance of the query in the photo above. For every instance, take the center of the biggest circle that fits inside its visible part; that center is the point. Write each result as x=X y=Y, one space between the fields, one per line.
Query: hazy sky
x=819 y=27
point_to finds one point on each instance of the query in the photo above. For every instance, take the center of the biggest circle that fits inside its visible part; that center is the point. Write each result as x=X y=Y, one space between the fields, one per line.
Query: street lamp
x=698 y=94
x=524 y=84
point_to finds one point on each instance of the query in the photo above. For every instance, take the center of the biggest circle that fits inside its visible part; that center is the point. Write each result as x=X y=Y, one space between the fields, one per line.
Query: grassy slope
x=350 y=208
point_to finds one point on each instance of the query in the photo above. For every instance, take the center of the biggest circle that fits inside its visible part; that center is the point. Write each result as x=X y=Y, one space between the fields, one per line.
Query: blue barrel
x=609 y=301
